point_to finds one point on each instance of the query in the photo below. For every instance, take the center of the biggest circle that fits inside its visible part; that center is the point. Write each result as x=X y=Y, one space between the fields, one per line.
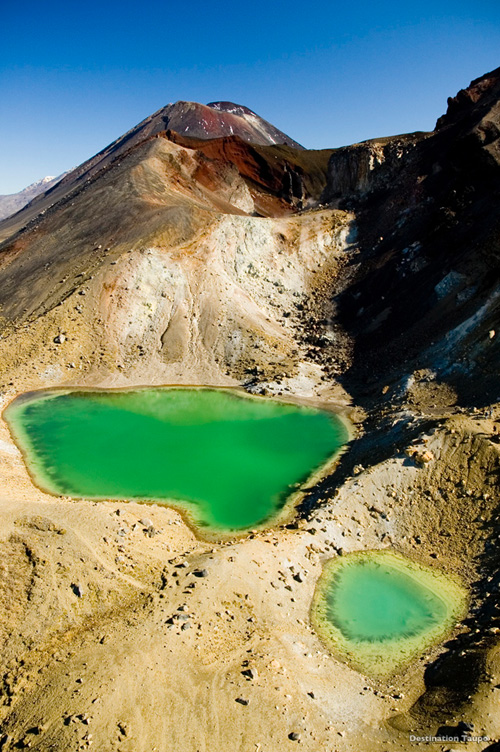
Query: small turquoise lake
x=229 y=461
x=378 y=610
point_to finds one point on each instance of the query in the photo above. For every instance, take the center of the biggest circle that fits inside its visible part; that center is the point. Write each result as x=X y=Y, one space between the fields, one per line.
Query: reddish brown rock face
x=280 y=178
x=483 y=91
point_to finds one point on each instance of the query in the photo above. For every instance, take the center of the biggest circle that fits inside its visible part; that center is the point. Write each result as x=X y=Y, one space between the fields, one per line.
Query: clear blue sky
x=76 y=75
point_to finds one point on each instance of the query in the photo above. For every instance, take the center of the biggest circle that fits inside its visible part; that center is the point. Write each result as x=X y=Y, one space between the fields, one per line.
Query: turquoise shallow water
x=229 y=461
x=375 y=602
x=378 y=610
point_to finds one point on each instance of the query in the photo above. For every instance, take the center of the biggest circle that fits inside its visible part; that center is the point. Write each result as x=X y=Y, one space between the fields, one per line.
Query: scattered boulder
x=123 y=728
x=250 y=673
x=200 y=573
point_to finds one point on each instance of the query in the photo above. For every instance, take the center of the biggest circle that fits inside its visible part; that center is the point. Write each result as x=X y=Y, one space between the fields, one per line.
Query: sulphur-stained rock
x=419 y=455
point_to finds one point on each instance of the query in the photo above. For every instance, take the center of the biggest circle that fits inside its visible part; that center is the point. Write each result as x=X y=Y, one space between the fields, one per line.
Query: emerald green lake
x=229 y=461
x=378 y=609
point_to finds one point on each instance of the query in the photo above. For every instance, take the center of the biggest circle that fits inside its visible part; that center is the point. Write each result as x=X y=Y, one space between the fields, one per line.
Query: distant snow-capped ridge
x=46 y=179
x=13 y=202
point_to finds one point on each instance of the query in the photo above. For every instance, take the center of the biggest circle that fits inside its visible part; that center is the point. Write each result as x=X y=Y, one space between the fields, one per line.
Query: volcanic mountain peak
x=192 y=122
x=219 y=119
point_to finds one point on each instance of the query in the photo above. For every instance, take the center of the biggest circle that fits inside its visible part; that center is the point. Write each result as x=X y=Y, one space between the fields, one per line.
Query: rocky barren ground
x=363 y=279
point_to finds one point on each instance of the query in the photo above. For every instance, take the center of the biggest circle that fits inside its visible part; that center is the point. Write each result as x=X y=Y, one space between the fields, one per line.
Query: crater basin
x=378 y=610
x=228 y=461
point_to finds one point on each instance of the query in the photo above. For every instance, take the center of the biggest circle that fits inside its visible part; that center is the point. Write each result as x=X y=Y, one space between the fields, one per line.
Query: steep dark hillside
x=424 y=292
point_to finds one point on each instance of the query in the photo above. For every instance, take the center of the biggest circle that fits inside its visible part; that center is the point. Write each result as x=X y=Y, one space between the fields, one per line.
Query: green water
x=228 y=461
x=379 y=609
x=376 y=603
